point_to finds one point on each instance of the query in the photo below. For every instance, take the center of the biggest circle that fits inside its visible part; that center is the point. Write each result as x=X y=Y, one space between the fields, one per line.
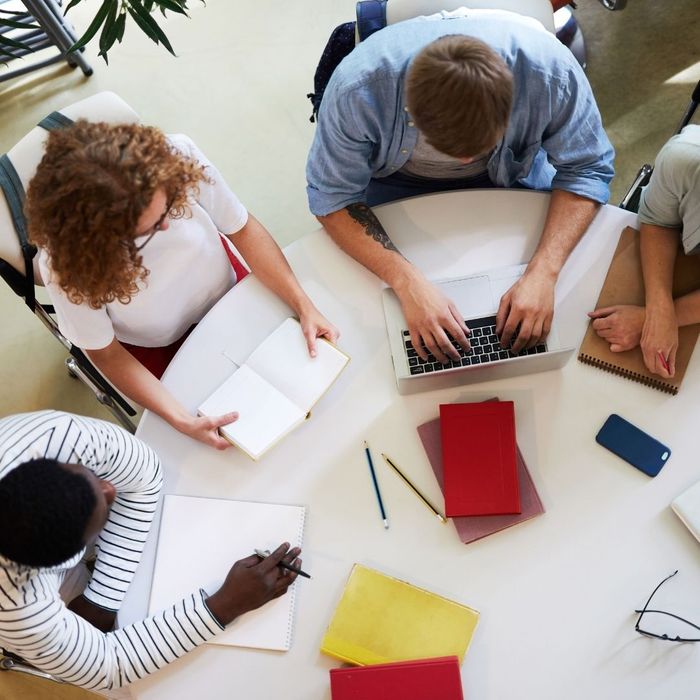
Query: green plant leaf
x=172 y=6
x=109 y=32
x=72 y=3
x=9 y=54
x=136 y=9
x=121 y=25
x=4 y=22
x=5 y=41
x=94 y=25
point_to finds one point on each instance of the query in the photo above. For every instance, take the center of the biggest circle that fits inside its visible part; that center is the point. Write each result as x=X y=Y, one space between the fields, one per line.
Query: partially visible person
x=64 y=481
x=467 y=99
x=669 y=219
x=134 y=231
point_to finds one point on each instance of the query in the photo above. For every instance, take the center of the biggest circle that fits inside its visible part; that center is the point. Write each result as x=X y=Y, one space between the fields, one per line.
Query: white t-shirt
x=189 y=273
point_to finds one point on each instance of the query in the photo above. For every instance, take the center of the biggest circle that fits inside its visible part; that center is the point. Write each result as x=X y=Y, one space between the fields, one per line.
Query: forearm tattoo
x=366 y=218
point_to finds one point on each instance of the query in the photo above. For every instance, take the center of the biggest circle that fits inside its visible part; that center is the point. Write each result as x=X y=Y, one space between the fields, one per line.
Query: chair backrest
x=26 y=155
x=400 y=10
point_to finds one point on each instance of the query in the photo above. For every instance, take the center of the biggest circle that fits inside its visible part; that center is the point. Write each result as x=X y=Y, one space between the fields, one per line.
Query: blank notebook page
x=283 y=359
x=201 y=538
x=265 y=414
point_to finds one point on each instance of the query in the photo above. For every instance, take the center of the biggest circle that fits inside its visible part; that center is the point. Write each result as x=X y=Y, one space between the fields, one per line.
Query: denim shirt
x=554 y=139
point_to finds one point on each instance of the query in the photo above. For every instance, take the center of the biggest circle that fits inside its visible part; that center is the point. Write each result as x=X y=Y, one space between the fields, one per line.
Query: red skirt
x=155 y=360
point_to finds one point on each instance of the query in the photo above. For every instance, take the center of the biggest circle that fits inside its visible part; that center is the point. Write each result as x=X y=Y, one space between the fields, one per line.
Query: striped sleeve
x=57 y=641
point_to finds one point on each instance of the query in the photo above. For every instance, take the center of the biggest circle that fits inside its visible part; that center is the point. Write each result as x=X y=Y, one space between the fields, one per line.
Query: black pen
x=265 y=553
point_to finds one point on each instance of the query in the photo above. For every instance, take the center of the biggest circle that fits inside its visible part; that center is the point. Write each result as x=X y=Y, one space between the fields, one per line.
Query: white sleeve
x=216 y=198
x=88 y=328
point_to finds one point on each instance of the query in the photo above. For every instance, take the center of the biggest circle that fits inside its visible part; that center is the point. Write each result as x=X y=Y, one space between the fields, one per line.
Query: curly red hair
x=92 y=185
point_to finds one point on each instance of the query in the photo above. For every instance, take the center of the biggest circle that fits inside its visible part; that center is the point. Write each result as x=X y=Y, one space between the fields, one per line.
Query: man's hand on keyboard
x=529 y=305
x=431 y=316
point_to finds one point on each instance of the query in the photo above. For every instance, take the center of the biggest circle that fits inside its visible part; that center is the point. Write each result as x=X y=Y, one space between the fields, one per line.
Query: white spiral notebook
x=201 y=538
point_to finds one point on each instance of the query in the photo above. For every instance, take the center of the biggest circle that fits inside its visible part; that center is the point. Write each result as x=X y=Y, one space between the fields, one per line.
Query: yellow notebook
x=380 y=619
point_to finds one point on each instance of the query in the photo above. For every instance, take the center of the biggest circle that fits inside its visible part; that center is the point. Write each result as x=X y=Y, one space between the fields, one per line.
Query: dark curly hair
x=44 y=512
x=92 y=185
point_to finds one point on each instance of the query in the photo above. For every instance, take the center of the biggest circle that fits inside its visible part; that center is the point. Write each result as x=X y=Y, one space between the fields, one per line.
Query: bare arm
x=128 y=375
x=654 y=327
x=429 y=314
x=268 y=263
x=529 y=303
x=659 y=339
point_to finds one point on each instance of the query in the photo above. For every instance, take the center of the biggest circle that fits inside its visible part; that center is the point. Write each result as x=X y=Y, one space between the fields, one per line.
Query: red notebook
x=475 y=527
x=422 y=679
x=479 y=458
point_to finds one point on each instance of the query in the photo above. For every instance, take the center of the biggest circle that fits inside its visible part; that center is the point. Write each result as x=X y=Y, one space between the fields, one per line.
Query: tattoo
x=366 y=218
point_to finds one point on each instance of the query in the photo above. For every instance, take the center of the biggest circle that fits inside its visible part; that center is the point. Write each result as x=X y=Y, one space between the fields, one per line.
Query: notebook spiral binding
x=293 y=591
x=634 y=376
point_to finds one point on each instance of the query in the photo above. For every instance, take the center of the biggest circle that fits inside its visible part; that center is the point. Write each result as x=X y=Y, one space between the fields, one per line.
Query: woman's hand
x=621 y=325
x=315 y=325
x=660 y=338
x=206 y=429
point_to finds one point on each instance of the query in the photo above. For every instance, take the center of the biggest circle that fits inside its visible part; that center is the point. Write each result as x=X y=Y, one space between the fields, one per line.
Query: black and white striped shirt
x=34 y=621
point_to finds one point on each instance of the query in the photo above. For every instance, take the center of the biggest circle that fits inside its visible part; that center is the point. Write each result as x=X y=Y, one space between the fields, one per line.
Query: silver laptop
x=477 y=298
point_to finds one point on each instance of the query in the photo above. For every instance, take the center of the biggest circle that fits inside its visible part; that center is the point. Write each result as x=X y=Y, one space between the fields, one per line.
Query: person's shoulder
x=183 y=143
x=17 y=420
x=682 y=149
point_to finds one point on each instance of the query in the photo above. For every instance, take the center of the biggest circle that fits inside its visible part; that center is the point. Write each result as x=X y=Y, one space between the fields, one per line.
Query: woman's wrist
x=303 y=305
x=179 y=418
x=660 y=305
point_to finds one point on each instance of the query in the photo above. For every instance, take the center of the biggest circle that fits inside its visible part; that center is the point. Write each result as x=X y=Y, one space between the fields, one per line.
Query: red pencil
x=664 y=361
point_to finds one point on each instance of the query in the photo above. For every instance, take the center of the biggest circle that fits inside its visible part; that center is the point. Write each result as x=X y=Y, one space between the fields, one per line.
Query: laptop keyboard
x=485 y=348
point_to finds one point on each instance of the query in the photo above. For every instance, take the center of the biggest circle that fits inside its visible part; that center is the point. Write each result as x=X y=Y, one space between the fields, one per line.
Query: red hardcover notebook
x=422 y=679
x=479 y=458
x=475 y=527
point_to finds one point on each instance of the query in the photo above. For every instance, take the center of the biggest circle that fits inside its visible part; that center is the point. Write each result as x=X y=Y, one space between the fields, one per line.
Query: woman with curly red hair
x=133 y=230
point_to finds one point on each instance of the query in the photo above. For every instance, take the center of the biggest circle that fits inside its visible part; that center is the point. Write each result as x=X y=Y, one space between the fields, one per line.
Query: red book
x=422 y=679
x=479 y=458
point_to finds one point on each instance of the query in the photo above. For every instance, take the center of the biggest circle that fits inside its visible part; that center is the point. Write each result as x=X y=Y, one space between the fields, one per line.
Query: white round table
x=556 y=593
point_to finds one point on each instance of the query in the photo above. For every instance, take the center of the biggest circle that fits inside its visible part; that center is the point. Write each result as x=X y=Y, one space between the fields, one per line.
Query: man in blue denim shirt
x=528 y=118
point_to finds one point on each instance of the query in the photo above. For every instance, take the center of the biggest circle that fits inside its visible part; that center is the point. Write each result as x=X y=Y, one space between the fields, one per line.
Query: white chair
x=18 y=264
x=399 y=10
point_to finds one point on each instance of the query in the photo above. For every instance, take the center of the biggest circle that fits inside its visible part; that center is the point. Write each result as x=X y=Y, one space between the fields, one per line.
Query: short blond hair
x=459 y=93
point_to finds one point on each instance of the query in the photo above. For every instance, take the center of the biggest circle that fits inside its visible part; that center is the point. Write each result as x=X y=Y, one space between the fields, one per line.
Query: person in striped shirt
x=64 y=481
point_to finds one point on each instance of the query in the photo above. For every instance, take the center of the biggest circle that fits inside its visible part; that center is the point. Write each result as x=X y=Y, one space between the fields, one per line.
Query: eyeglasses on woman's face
x=162 y=222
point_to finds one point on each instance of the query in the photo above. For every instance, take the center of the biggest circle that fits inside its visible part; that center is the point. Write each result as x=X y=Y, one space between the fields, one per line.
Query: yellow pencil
x=439 y=515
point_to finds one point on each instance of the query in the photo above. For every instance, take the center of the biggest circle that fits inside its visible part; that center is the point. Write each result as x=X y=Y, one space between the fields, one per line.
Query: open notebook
x=201 y=538
x=274 y=390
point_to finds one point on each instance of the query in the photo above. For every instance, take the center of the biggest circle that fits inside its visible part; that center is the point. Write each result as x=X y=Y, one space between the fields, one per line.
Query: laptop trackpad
x=472 y=296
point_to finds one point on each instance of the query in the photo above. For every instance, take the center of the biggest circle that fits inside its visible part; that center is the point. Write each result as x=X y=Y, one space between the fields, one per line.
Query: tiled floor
x=239 y=89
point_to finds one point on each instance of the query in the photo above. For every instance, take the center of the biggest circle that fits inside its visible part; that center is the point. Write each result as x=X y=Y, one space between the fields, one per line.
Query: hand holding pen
x=264 y=553
x=252 y=582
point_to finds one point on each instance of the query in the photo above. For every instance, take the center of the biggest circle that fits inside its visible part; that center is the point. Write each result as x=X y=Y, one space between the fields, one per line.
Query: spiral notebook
x=201 y=538
x=624 y=284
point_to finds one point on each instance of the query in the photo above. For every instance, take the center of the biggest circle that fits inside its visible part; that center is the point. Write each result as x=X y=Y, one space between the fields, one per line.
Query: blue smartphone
x=633 y=445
